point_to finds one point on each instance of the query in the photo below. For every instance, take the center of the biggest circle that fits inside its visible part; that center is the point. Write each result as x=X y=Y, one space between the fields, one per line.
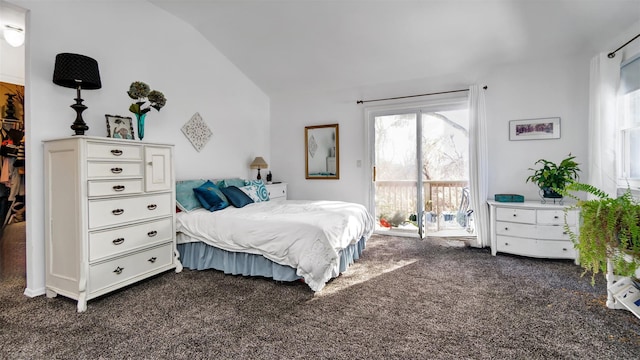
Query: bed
x=286 y=240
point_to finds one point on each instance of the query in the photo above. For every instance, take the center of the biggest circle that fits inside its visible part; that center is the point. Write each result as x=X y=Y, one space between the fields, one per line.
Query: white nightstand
x=277 y=191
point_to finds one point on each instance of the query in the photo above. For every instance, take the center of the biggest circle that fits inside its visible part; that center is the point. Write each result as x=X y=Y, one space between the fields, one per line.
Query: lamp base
x=79 y=126
x=259 y=177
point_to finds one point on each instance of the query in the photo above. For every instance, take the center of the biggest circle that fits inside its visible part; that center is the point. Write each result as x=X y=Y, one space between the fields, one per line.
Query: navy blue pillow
x=236 y=196
x=210 y=196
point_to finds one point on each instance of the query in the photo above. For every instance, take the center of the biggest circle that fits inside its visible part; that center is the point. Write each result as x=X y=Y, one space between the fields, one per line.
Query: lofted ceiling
x=290 y=46
x=296 y=45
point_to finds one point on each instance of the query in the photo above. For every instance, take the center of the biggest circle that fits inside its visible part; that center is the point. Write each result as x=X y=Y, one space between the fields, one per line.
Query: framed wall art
x=119 y=127
x=534 y=129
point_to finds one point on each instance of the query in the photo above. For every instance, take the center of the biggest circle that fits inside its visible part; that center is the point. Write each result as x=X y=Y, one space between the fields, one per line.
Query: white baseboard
x=34 y=292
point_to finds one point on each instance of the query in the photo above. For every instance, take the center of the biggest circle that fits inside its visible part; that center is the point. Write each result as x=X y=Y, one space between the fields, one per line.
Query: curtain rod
x=612 y=54
x=410 y=96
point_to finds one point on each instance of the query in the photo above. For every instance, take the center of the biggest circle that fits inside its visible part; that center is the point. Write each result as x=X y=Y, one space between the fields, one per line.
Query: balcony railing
x=442 y=199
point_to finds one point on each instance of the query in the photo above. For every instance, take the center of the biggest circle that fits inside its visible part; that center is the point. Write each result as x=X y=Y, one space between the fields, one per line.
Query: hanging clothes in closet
x=12 y=189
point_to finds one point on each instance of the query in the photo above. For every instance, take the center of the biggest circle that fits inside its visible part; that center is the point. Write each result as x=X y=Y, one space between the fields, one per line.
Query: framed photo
x=534 y=129
x=119 y=127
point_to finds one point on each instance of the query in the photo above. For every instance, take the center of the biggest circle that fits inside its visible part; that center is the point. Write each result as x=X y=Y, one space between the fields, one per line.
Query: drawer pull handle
x=118 y=188
x=564 y=233
x=506 y=228
x=514 y=215
x=564 y=249
x=118 y=212
x=116 y=152
x=506 y=244
x=116 y=170
x=152 y=206
x=118 y=270
x=152 y=233
x=153 y=259
x=556 y=217
x=118 y=241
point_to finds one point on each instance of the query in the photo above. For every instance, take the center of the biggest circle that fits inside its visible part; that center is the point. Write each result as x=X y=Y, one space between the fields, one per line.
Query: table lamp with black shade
x=78 y=72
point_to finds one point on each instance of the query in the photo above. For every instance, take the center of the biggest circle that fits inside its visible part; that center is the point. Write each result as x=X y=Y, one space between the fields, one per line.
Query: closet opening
x=13 y=249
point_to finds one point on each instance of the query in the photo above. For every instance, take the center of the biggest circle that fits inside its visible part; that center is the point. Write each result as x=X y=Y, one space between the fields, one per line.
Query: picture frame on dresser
x=120 y=127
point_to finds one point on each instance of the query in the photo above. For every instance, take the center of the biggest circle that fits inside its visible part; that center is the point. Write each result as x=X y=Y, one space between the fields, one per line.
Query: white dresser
x=532 y=229
x=277 y=191
x=109 y=215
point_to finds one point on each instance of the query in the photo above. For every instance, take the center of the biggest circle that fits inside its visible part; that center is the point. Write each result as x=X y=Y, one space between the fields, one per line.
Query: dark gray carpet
x=405 y=299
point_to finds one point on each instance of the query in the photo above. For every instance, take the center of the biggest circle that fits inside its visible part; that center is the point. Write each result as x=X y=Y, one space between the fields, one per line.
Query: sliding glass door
x=420 y=162
x=396 y=175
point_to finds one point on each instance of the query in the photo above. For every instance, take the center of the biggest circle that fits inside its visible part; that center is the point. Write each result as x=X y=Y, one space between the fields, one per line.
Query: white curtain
x=478 y=164
x=603 y=85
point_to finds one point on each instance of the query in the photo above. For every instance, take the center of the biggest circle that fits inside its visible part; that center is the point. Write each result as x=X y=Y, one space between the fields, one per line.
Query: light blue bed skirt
x=201 y=256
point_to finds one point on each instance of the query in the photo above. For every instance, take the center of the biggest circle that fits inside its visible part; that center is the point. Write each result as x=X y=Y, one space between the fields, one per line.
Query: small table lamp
x=77 y=71
x=259 y=163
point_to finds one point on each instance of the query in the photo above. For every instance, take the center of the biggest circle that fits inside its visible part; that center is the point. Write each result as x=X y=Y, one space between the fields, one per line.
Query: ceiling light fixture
x=14 y=35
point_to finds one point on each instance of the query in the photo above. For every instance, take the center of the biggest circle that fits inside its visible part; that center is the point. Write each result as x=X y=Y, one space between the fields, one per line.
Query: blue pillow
x=237 y=182
x=210 y=196
x=236 y=196
x=185 y=198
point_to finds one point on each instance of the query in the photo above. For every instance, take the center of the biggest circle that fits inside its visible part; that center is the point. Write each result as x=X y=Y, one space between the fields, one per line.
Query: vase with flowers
x=142 y=93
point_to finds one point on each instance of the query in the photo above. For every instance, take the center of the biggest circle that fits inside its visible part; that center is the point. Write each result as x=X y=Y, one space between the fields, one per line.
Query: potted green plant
x=552 y=178
x=609 y=231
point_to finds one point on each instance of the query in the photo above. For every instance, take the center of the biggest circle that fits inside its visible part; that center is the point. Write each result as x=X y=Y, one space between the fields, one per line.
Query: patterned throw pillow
x=236 y=196
x=185 y=198
x=256 y=190
x=210 y=196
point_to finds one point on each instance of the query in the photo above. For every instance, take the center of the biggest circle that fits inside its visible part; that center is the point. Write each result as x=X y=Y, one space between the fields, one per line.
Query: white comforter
x=306 y=235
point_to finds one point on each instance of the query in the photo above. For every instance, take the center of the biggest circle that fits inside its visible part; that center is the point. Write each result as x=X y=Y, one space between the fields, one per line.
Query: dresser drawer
x=121 y=210
x=114 y=151
x=515 y=229
x=113 y=169
x=525 y=216
x=115 y=187
x=553 y=232
x=277 y=191
x=121 y=269
x=536 y=248
x=103 y=244
x=547 y=232
x=556 y=217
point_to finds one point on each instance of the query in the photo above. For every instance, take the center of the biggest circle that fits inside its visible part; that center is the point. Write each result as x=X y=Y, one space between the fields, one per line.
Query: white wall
x=552 y=88
x=132 y=41
x=290 y=114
